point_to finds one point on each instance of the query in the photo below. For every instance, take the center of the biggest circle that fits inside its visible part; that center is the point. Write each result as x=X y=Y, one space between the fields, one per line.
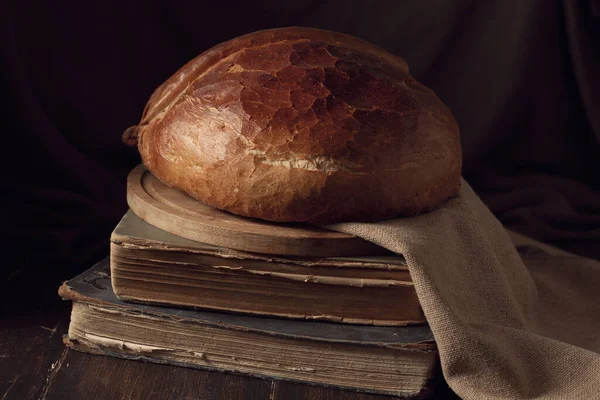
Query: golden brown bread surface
x=300 y=124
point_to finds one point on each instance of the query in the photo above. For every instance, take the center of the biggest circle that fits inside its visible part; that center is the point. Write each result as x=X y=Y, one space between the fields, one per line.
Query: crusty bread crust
x=300 y=124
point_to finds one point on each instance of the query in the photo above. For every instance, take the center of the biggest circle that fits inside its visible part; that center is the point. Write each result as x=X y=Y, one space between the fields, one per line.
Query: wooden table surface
x=35 y=364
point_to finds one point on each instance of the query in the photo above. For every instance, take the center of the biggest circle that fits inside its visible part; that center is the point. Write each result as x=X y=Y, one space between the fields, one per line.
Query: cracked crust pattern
x=299 y=124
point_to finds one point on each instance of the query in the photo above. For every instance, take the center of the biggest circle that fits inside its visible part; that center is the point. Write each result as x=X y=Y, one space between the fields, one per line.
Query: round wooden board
x=175 y=212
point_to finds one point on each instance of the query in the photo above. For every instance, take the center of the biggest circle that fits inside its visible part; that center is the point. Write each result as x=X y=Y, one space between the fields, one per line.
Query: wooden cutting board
x=175 y=212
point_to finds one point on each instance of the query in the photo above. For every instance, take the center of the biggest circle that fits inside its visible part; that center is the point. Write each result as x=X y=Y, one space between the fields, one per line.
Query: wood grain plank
x=30 y=349
x=294 y=391
x=86 y=376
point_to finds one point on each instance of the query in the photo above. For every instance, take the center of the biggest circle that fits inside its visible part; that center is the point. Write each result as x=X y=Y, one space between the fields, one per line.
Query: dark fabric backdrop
x=521 y=77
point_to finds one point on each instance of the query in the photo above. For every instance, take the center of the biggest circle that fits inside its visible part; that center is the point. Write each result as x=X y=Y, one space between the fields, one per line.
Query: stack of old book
x=349 y=321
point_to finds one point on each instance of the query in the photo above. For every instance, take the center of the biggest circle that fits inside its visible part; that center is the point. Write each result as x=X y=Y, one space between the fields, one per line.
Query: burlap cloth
x=505 y=329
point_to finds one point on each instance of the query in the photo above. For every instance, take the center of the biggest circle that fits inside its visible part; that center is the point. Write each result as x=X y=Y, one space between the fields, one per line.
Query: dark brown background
x=521 y=77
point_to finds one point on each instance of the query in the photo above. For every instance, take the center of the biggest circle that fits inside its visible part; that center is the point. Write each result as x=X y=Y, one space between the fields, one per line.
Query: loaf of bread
x=301 y=124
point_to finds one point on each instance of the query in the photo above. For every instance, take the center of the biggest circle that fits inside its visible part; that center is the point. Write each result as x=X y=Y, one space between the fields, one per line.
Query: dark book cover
x=93 y=286
x=92 y=289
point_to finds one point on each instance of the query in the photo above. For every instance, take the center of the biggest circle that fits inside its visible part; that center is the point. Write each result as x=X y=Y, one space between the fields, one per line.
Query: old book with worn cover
x=399 y=361
x=152 y=266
